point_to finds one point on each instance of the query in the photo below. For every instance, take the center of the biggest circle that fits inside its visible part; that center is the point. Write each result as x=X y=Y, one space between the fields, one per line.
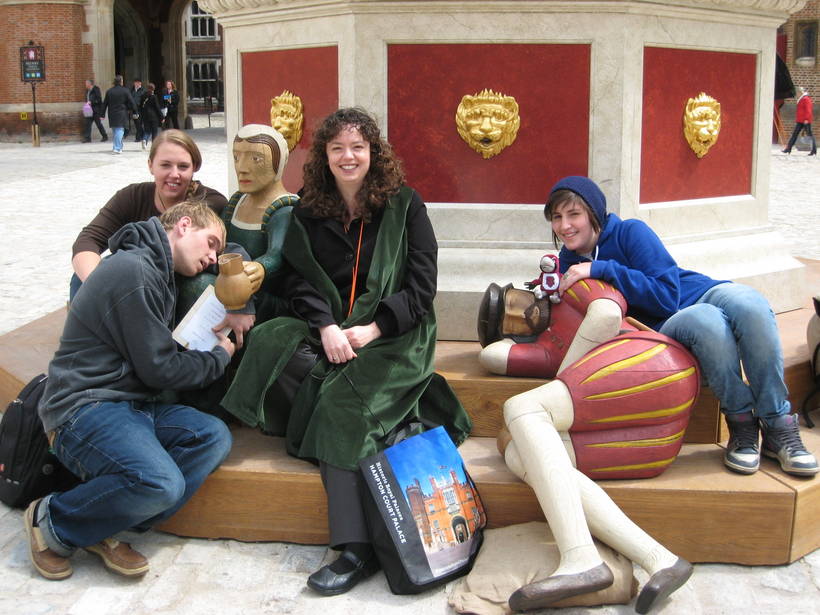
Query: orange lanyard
x=355 y=271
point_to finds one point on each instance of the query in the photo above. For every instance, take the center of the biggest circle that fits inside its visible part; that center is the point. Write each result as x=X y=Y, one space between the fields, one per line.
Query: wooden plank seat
x=262 y=494
x=483 y=394
x=25 y=352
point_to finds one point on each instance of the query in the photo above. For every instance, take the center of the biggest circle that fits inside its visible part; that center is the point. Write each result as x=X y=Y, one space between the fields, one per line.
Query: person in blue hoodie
x=720 y=322
x=140 y=459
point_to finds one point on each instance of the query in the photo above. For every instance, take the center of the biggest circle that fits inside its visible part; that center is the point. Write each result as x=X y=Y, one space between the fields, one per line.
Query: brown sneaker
x=46 y=561
x=119 y=557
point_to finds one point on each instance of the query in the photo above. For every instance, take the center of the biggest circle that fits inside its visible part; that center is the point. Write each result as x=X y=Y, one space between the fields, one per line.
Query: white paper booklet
x=194 y=331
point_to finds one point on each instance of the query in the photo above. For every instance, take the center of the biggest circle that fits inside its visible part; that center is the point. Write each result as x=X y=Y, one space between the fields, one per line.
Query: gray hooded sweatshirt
x=117 y=344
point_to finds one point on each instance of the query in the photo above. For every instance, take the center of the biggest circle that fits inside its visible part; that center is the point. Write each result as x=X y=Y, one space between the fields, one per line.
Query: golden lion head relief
x=488 y=121
x=286 y=117
x=701 y=123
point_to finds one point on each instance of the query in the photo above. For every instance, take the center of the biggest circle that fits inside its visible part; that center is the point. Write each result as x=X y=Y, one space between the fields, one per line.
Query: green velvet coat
x=343 y=413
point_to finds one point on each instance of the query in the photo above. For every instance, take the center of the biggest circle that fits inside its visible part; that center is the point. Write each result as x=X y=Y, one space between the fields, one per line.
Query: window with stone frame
x=805 y=43
x=200 y=23
x=203 y=78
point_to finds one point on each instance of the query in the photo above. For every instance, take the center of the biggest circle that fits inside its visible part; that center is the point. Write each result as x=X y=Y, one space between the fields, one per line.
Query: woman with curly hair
x=356 y=363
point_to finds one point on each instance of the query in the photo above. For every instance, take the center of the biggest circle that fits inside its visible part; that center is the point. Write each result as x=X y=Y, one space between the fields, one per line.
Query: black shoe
x=541 y=594
x=86 y=140
x=104 y=138
x=329 y=583
x=743 y=448
x=786 y=151
x=661 y=584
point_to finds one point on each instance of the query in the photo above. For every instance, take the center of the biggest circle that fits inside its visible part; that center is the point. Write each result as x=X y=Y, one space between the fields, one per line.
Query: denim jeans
x=73 y=286
x=731 y=323
x=118 y=132
x=141 y=462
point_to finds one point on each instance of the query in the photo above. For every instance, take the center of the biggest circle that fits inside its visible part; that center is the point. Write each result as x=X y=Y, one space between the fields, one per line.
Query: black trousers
x=149 y=130
x=345 y=515
x=87 y=129
x=796 y=133
x=171 y=120
x=138 y=129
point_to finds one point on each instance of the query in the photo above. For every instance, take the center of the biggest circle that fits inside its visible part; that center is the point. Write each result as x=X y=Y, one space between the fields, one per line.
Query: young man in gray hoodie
x=141 y=459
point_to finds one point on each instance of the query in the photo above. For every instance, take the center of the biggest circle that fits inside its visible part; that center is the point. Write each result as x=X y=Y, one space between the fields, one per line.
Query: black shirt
x=335 y=250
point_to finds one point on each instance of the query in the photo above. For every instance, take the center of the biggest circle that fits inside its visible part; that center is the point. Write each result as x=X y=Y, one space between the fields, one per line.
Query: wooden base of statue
x=262 y=494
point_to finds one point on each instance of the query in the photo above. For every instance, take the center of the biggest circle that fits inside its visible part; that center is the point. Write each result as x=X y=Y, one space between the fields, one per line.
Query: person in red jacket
x=803 y=122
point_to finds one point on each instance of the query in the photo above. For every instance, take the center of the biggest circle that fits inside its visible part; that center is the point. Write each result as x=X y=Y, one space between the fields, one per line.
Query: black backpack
x=28 y=469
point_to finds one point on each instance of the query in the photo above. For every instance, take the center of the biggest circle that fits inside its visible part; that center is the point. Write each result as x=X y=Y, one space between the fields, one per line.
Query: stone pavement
x=49 y=193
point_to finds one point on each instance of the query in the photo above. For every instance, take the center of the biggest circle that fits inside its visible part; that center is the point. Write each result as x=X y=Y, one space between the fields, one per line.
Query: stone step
x=260 y=493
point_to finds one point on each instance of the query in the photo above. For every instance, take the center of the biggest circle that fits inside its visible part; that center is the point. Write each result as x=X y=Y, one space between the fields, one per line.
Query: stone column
x=490 y=239
x=99 y=15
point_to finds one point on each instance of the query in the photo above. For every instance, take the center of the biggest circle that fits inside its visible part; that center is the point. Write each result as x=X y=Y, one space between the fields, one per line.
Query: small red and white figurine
x=546 y=284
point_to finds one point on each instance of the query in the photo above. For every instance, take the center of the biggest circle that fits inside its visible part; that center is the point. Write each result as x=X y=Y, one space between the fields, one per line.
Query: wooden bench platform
x=262 y=494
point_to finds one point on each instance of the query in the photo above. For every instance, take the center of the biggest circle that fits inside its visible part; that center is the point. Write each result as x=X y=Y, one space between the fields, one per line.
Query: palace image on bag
x=424 y=512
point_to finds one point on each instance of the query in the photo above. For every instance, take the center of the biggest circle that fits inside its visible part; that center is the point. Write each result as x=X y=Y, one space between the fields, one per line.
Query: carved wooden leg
x=601 y=323
x=532 y=419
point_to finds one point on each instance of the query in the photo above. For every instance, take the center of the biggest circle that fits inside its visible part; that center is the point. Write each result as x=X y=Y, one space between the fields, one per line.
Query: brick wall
x=807 y=77
x=58 y=28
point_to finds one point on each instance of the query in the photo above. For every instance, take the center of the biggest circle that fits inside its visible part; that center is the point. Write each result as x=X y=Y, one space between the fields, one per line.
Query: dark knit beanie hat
x=587 y=190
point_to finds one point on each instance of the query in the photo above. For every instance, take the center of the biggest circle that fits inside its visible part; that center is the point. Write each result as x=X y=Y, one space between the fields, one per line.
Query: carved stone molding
x=217 y=7
x=787 y=6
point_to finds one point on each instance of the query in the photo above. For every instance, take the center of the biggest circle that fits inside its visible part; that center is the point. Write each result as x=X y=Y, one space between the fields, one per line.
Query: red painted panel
x=550 y=84
x=310 y=73
x=670 y=171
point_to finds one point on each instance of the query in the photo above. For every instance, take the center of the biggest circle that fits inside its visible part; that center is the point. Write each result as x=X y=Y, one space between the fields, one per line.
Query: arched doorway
x=461 y=530
x=130 y=48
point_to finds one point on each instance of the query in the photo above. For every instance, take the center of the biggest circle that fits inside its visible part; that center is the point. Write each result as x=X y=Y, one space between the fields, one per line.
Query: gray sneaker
x=781 y=441
x=743 y=449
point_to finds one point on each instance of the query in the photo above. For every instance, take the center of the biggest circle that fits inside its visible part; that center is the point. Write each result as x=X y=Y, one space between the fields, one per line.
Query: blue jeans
x=118 y=132
x=731 y=323
x=141 y=462
x=73 y=286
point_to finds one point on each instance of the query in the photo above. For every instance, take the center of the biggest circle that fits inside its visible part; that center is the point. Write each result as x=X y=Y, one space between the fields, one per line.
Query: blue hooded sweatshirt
x=631 y=257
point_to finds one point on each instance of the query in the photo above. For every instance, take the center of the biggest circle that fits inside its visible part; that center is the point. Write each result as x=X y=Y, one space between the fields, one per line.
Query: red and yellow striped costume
x=631 y=397
x=542 y=358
